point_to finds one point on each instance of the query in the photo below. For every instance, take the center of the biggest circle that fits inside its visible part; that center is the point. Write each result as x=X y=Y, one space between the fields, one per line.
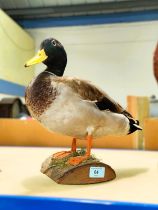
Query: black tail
x=134 y=125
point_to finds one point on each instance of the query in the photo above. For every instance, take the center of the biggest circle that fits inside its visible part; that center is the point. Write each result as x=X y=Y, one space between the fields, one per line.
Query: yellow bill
x=40 y=57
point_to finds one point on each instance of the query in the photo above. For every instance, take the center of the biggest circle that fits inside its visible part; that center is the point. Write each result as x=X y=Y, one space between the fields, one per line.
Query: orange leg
x=89 y=145
x=62 y=154
x=73 y=145
x=79 y=159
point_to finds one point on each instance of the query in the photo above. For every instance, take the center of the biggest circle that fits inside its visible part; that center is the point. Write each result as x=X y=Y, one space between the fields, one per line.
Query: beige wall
x=16 y=46
x=116 y=57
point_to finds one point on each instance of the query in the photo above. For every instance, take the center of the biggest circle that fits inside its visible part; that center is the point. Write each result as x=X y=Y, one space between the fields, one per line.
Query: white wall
x=116 y=57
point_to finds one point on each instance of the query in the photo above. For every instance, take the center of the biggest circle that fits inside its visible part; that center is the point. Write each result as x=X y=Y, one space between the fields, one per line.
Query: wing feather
x=90 y=92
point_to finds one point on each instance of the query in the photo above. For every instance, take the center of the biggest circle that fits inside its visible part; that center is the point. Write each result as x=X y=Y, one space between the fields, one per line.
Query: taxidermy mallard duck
x=72 y=106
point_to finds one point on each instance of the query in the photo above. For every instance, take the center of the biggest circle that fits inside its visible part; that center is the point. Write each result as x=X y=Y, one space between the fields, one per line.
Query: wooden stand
x=88 y=172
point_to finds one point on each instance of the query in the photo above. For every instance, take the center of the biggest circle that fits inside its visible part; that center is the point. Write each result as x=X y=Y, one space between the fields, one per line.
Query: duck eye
x=54 y=43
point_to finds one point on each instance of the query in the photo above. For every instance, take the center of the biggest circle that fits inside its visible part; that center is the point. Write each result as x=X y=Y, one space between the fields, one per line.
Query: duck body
x=62 y=105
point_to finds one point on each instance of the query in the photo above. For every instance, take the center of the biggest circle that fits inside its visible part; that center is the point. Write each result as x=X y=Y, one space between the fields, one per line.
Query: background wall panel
x=16 y=46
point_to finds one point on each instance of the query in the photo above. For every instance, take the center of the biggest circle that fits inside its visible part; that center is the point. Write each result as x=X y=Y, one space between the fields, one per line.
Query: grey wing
x=90 y=92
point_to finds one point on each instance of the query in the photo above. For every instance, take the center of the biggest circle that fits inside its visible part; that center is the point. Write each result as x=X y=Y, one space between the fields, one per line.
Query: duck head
x=52 y=54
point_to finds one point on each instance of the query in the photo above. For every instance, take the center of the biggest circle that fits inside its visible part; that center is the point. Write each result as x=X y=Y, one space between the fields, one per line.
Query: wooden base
x=88 y=172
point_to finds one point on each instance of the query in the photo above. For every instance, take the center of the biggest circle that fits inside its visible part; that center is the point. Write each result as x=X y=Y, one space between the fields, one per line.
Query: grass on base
x=61 y=163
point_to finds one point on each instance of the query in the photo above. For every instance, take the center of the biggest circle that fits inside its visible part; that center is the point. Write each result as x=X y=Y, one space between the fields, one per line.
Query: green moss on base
x=63 y=163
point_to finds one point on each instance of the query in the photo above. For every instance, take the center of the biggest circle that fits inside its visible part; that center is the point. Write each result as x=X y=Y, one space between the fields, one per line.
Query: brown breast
x=40 y=94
